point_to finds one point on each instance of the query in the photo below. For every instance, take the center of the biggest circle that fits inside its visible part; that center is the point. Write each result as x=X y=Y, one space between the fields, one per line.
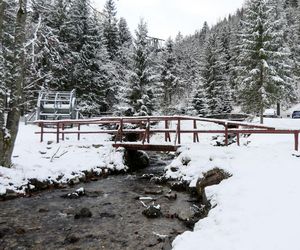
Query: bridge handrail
x=230 y=127
x=151 y=118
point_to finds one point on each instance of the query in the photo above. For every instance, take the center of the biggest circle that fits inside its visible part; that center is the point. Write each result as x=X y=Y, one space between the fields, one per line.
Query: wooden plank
x=147 y=147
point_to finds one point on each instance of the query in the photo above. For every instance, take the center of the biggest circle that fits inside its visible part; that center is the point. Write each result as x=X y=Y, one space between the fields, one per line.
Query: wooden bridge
x=146 y=126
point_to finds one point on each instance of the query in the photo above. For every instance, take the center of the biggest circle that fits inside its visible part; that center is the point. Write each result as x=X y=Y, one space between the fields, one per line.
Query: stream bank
x=108 y=214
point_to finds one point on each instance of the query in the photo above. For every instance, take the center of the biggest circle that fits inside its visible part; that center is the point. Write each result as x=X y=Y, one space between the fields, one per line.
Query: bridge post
x=121 y=130
x=226 y=134
x=195 y=137
x=166 y=133
x=63 y=133
x=178 y=131
x=238 y=137
x=296 y=136
x=57 y=132
x=42 y=131
x=78 y=135
x=148 y=130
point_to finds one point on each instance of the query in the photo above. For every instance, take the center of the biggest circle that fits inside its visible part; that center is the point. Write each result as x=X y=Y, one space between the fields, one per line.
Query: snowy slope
x=258 y=207
x=66 y=160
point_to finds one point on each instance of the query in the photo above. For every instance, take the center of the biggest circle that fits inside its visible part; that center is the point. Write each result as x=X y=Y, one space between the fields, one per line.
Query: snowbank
x=258 y=207
x=57 y=162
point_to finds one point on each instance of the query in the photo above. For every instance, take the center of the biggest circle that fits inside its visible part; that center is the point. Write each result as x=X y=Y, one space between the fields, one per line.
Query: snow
x=66 y=160
x=270 y=112
x=290 y=110
x=258 y=207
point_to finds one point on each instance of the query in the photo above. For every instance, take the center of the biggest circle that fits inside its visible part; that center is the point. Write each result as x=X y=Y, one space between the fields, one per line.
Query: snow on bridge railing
x=145 y=130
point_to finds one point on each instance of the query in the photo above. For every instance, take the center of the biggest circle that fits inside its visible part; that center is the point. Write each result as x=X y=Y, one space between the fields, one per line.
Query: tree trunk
x=278 y=109
x=262 y=115
x=13 y=117
x=2 y=93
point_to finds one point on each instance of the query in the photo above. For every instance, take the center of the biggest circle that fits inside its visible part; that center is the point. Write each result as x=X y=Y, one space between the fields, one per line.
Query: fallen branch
x=51 y=160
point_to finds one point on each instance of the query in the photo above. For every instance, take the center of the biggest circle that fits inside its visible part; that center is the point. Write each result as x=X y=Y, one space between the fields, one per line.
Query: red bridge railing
x=145 y=130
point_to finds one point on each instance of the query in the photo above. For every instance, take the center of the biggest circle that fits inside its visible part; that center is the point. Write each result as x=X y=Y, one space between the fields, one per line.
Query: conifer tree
x=199 y=101
x=92 y=73
x=125 y=37
x=124 y=62
x=141 y=92
x=262 y=83
x=214 y=80
x=169 y=74
x=110 y=29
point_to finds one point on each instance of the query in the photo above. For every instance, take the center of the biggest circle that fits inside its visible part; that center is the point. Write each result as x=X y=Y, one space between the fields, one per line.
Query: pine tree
x=125 y=37
x=214 y=80
x=169 y=74
x=262 y=84
x=95 y=71
x=91 y=73
x=42 y=52
x=284 y=57
x=199 y=101
x=110 y=29
x=124 y=61
x=296 y=50
x=189 y=63
x=141 y=92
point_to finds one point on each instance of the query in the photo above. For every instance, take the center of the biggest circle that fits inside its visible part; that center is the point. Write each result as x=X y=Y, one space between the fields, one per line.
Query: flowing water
x=46 y=220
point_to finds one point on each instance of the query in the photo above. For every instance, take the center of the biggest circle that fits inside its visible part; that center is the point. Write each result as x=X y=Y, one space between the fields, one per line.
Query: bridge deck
x=147 y=147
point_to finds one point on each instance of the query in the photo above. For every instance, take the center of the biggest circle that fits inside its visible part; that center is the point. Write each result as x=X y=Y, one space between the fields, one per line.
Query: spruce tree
x=110 y=29
x=125 y=37
x=141 y=92
x=215 y=82
x=169 y=74
x=124 y=61
x=199 y=101
x=262 y=83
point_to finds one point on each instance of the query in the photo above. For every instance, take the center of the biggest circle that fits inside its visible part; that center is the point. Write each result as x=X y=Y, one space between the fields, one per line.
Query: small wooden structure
x=145 y=131
x=155 y=42
x=56 y=105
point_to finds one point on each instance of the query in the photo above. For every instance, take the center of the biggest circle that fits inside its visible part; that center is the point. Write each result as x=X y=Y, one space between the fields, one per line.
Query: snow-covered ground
x=258 y=207
x=57 y=162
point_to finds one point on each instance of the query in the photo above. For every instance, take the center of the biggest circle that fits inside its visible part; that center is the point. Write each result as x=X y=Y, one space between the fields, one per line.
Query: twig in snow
x=51 y=160
x=56 y=157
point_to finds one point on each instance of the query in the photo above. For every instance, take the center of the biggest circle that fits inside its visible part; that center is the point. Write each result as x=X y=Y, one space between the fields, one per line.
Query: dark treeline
x=251 y=60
